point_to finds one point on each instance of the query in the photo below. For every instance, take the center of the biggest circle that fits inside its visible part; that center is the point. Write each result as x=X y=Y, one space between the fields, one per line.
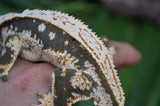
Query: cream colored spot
x=91 y=71
x=16 y=28
x=65 y=89
x=101 y=97
x=34 y=21
x=81 y=82
x=73 y=49
x=41 y=27
x=64 y=33
x=3 y=52
x=81 y=55
x=51 y=35
x=11 y=26
x=63 y=74
x=66 y=42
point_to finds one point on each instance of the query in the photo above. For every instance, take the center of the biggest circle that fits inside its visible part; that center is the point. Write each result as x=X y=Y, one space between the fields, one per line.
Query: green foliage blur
x=141 y=83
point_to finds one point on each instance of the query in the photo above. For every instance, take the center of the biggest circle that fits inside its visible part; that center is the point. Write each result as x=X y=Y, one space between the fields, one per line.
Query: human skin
x=26 y=79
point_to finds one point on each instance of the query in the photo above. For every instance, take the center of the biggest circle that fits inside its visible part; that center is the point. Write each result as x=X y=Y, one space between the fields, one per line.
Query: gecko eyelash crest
x=85 y=68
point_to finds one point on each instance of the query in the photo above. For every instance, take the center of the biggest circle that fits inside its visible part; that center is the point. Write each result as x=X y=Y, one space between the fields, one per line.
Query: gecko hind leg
x=68 y=87
x=71 y=86
x=10 y=48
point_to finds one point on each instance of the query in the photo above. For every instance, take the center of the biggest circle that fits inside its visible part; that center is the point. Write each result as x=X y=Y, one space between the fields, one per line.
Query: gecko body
x=84 y=64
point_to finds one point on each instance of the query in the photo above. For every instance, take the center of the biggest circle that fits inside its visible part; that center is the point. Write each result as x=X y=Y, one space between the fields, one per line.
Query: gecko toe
x=39 y=95
x=4 y=77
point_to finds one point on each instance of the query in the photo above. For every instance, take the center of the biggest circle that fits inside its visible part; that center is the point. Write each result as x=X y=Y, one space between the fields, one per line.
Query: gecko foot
x=105 y=40
x=44 y=99
x=4 y=77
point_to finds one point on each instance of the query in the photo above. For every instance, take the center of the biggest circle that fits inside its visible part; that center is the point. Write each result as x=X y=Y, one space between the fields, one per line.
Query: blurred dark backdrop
x=141 y=83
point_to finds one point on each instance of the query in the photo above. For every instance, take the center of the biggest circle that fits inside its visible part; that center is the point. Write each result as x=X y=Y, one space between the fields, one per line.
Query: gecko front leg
x=113 y=49
x=10 y=47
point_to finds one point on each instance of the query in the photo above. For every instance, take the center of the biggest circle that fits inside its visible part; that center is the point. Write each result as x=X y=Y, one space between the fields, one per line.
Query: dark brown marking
x=97 y=56
x=85 y=41
x=64 y=23
x=54 y=18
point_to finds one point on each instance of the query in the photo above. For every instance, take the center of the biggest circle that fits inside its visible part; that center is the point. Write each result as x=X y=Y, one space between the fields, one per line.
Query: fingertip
x=131 y=56
x=126 y=55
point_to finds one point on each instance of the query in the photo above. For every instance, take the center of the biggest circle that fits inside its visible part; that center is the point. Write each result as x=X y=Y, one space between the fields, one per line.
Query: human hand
x=26 y=79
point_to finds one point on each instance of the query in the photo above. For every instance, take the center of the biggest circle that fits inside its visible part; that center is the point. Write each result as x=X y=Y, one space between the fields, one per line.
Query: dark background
x=141 y=83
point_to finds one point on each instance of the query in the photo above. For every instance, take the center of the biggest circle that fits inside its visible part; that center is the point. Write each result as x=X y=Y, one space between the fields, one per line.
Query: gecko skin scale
x=85 y=68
